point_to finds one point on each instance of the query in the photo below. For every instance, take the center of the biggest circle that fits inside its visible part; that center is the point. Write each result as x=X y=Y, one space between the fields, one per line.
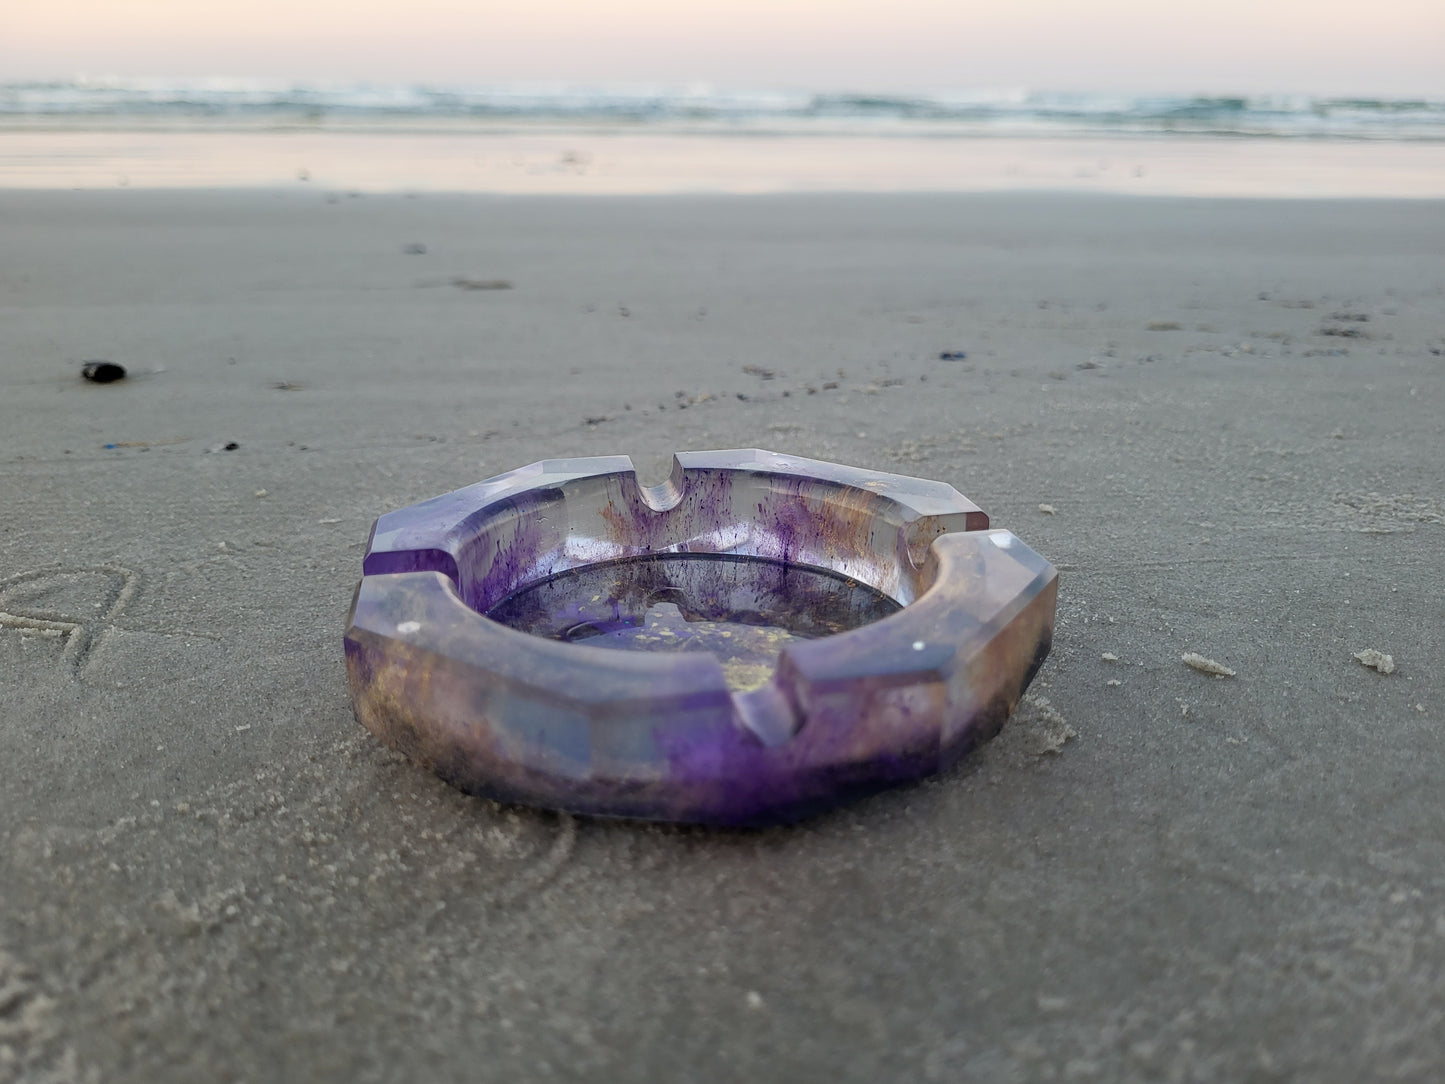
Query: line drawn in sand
x=51 y=603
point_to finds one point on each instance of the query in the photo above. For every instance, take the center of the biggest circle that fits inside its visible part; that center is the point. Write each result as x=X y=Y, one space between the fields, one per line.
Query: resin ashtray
x=756 y=639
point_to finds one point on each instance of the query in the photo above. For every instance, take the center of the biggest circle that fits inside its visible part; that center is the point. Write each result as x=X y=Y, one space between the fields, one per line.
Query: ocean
x=646 y=138
x=712 y=110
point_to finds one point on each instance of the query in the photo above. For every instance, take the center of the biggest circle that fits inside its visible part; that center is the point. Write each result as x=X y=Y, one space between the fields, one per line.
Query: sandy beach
x=1220 y=419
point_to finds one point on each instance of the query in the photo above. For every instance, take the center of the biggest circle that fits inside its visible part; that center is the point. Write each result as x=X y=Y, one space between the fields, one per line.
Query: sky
x=1335 y=47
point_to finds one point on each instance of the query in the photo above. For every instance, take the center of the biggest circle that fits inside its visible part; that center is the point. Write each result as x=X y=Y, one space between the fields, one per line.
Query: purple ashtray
x=757 y=639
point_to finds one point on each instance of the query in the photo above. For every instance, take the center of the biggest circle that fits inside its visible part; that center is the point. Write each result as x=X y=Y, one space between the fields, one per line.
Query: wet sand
x=594 y=160
x=1231 y=410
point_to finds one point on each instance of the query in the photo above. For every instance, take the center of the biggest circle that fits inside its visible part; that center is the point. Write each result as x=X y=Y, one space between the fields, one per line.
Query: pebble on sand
x=1376 y=660
x=102 y=372
x=1206 y=666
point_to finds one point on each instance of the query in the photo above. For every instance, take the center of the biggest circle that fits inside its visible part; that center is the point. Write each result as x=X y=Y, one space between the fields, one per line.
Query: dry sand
x=208 y=871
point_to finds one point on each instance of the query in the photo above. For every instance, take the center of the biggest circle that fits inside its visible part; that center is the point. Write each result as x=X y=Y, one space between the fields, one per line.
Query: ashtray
x=754 y=640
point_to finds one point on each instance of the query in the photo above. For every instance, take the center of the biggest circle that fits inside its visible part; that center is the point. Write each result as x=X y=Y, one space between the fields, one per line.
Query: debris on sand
x=481 y=284
x=145 y=445
x=952 y=355
x=1376 y=660
x=1046 y=509
x=102 y=372
x=1048 y=731
x=1109 y=656
x=759 y=372
x=1206 y=666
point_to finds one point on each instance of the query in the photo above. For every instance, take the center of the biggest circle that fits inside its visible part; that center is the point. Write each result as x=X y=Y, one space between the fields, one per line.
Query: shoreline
x=630 y=163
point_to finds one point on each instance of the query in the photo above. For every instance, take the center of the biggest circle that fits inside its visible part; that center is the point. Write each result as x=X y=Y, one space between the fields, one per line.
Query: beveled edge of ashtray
x=515 y=717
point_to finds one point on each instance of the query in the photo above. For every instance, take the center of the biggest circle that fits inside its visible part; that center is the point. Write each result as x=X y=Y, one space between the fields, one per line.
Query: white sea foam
x=705 y=108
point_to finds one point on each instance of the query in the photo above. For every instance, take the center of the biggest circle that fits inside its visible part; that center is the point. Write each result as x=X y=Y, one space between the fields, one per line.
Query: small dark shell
x=102 y=372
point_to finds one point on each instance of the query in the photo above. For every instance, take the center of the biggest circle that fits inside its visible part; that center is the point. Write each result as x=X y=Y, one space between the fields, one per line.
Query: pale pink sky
x=1383 y=47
